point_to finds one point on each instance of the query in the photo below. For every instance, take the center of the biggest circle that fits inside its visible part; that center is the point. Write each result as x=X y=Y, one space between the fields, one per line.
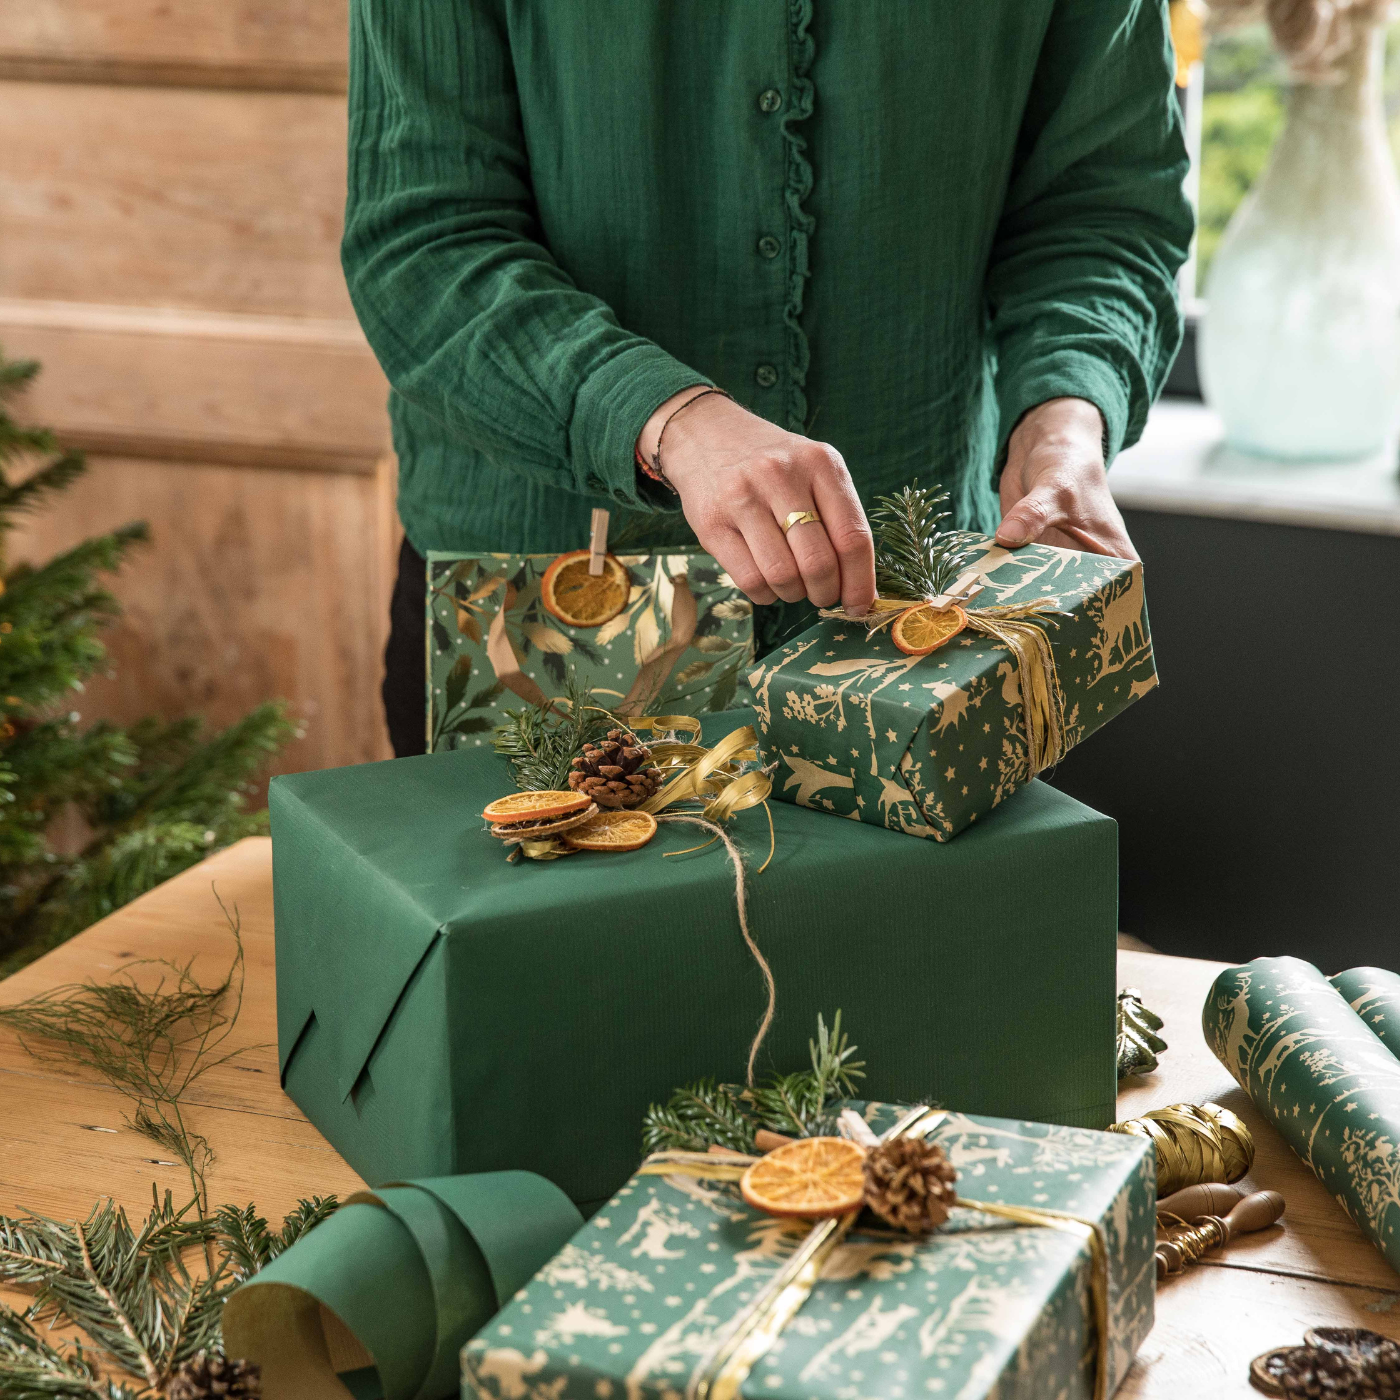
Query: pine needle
x=914 y=556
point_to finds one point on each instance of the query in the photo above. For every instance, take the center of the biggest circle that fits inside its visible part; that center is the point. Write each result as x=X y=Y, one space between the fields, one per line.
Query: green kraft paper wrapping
x=1374 y=994
x=976 y=1310
x=927 y=745
x=426 y=989
x=1321 y=1076
x=376 y=1302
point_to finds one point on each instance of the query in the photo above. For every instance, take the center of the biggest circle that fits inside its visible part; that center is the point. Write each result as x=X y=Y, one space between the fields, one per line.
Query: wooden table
x=64 y=1141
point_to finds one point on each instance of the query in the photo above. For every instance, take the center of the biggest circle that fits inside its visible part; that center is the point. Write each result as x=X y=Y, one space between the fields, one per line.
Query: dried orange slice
x=535 y=806
x=812 y=1178
x=922 y=629
x=613 y=831
x=573 y=595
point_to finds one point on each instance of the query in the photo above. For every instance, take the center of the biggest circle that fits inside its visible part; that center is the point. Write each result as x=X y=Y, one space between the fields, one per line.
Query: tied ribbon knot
x=754 y=1329
x=1020 y=628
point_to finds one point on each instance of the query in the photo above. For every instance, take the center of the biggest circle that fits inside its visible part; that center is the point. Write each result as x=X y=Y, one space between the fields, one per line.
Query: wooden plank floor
x=64 y=1142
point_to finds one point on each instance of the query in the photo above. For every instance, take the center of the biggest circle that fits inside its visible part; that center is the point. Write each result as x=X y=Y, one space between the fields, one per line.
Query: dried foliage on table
x=153 y=799
x=147 y=1299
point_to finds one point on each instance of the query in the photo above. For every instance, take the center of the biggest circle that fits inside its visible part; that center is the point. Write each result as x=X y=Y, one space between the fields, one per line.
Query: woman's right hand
x=739 y=477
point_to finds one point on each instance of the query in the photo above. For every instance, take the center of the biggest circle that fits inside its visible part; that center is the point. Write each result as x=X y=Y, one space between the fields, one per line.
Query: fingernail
x=1012 y=541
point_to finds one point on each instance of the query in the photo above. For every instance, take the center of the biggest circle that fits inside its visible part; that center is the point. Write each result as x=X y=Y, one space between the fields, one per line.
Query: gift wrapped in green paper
x=929 y=744
x=647 y=1298
x=441 y=1011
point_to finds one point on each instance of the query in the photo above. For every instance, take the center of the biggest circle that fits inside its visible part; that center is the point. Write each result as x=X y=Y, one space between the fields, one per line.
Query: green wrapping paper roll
x=1374 y=994
x=1314 y=1068
x=376 y=1302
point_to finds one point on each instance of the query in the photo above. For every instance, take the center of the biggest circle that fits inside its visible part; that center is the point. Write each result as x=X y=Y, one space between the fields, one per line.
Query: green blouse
x=894 y=225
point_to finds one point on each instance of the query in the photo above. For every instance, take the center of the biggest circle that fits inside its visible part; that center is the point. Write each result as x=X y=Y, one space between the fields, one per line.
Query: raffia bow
x=754 y=1329
x=1020 y=628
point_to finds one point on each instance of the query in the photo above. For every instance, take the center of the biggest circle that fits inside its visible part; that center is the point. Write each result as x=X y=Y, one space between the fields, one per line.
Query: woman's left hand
x=1054 y=489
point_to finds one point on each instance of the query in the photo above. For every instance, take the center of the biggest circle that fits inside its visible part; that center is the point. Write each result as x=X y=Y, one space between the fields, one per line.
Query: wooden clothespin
x=963 y=589
x=598 y=543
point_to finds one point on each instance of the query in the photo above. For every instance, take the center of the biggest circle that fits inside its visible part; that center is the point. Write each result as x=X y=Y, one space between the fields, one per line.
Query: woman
x=914 y=238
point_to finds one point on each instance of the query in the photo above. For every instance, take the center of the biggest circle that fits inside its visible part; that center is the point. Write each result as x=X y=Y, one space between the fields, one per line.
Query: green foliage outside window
x=1245 y=83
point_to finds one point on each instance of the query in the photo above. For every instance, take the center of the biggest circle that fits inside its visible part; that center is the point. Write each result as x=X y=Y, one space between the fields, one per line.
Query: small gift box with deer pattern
x=927 y=744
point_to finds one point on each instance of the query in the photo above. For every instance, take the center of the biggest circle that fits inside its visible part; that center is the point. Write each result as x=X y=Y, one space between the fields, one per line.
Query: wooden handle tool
x=1190 y=1242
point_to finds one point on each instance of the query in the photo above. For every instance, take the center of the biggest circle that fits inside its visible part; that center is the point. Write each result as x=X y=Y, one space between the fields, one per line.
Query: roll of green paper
x=1316 y=1070
x=376 y=1302
x=1374 y=994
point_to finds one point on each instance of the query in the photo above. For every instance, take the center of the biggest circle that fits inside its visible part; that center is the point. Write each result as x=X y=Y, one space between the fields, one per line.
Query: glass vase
x=1300 y=349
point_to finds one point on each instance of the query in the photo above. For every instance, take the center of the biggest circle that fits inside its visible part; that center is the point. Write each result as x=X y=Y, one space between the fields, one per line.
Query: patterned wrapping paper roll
x=1314 y=1068
x=1374 y=994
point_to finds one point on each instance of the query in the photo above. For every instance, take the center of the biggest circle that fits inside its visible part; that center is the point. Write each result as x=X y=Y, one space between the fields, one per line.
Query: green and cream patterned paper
x=980 y=1309
x=1321 y=1076
x=927 y=744
x=1374 y=994
x=487 y=625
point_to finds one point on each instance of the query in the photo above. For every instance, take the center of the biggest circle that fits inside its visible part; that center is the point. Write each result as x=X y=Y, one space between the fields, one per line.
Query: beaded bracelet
x=653 y=468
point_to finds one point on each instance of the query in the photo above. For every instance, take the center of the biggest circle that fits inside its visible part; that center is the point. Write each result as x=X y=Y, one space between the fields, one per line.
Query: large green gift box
x=978 y=1309
x=441 y=1011
x=930 y=744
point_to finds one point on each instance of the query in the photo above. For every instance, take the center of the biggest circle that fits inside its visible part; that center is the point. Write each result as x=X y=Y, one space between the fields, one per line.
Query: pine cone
x=1374 y=1357
x=909 y=1184
x=212 y=1374
x=1307 y=1372
x=616 y=772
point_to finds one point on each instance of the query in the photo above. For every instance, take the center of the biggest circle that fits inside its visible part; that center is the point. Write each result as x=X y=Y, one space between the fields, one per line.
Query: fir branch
x=128 y=1289
x=540 y=743
x=696 y=1116
x=31 y=1369
x=251 y=1246
x=797 y=1104
x=914 y=556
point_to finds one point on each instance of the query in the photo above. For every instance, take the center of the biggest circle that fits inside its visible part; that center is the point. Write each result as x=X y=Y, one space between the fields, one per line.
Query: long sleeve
x=1082 y=279
x=473 y=320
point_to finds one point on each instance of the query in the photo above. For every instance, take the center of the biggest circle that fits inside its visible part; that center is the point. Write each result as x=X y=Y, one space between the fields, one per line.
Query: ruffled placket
x=801 y=224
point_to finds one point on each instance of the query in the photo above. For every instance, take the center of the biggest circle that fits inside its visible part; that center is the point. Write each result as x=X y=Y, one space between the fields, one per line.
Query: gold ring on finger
x=801 y=517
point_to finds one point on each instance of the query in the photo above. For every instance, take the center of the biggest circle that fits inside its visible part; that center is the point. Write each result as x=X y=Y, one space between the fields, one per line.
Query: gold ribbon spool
x=756 y=1327
x=1195 y=1143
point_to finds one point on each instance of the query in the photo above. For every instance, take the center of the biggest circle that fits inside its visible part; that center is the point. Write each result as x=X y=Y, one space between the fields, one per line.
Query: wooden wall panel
x=247 y=390
x=256 y=585
x=221 y=201
x=290 y=44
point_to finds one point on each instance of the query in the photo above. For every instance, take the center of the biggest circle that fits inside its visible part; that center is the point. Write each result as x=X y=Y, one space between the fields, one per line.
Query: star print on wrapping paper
x=855 y=753
x=983 y=764
x=964 y=792
x=906 y=686
x=889 y=734
x=949 y=774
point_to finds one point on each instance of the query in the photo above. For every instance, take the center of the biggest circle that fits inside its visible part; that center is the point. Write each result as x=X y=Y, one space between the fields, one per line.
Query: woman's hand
x=739 y=477
x=1054 y=489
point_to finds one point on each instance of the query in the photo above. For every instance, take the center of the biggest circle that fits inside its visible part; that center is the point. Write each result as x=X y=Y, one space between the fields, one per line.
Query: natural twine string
x=1195 y=1143
x=741 y=903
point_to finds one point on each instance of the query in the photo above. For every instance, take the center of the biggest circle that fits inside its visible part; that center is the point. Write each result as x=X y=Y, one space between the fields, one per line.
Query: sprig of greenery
x=541 y=743
x=796 y=1103
x=728 y=1115
x=914 y=556
x=130 y=1290
x=249 y=1243
x=150 y=1043
x=696 y=1116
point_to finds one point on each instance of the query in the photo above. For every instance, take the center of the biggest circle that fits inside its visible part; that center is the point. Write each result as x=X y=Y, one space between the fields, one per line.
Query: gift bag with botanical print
x=667 y=631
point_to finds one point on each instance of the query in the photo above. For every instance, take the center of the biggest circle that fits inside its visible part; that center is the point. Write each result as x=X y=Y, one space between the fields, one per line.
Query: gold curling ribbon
x=751 y=1333
x=1195 y=1143
x=1020 y=628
